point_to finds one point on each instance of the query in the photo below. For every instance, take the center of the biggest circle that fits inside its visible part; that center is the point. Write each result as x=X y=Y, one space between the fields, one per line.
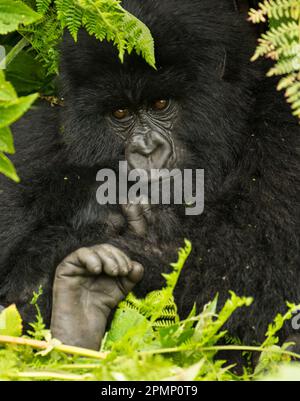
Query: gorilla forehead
x=96 y=65
x=184 y=47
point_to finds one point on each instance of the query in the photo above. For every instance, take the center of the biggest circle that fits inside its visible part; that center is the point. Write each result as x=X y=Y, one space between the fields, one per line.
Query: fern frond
x=159 y=306
x=293 y=94
x=281 y=43
x=285 y=66
x=43 y=5
x=106 y=19
x=281 y=39
x=276 y=9
x=44 y=38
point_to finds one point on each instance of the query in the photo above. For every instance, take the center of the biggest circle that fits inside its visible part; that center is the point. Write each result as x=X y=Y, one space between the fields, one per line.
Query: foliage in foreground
x=12 y=107
x=147 y=341
x=104 y=19
x=281 y=43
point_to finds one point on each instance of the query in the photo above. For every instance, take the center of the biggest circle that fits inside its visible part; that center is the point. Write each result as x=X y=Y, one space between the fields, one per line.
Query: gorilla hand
x=88 y=284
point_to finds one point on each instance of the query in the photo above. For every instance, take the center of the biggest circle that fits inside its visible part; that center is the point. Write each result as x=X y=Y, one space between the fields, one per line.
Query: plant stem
x=44 y=345
x=80 y=366
x=15 y=51
x=52 y=375
x=221 y=348
x=60 y=347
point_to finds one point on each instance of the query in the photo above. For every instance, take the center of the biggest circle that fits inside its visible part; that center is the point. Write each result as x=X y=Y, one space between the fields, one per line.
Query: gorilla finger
x=109 y=262
x=128 y=283
x=123 y=261
x=90 y=259
x=135 y=218
x=147 y=212
x=136 y=273
x=127 y=260
x=123 y=264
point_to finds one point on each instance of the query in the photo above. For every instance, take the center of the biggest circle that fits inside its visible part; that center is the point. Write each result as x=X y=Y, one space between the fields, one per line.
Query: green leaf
x=208 y=328
x=12 y=111
x=43 y=5
x=107 y=19
x=27 y=74
x=288 y=373
x=7 y=92
x=276 y=326
x=6 y=141
x=124 y=321
x=14 y=13
x=10 y=322
x=7 y=168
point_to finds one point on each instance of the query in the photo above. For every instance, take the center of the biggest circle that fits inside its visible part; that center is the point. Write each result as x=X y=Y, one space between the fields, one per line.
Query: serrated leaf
x=43 y=5
x=187 y=374
x=12 y=111
x=124 y=320
x=11 y=322
x=14 y=13
x=7 y=168
x=6 y=141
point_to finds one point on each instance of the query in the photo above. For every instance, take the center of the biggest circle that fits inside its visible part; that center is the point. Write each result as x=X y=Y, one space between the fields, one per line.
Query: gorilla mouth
x=159 y=161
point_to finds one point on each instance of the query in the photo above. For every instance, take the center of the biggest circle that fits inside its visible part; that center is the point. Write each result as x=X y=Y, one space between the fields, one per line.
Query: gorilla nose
x=151 y=151
x=144 y=145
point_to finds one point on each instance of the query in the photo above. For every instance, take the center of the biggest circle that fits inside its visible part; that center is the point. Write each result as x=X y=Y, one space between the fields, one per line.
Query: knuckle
x=138 y=265
x=107 y=247
x=82 y=251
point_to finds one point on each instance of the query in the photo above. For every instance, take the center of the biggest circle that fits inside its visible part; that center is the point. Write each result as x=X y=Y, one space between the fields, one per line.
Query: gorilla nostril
x=144 y=144
x=148 y=151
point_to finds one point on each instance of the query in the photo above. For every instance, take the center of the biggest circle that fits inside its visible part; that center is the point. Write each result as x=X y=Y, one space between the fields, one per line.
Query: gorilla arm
x=88 y=285
x=32 y=262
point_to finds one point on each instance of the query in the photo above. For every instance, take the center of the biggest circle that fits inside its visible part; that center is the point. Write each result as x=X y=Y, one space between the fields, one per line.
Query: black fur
x=235 y=124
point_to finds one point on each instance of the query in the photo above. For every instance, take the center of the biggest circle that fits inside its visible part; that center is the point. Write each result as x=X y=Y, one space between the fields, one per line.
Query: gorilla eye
x=160 y=105
x=121 y=114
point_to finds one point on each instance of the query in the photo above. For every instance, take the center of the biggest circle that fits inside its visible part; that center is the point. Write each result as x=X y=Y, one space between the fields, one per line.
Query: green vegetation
x=12 y=107
x=147 y=341
x=281 y=43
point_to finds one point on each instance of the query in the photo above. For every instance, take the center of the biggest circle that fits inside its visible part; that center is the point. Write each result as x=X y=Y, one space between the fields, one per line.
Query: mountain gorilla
x=206 y=106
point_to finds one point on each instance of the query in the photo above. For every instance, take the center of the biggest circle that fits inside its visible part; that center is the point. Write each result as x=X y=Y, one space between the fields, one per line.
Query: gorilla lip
x=154 y=186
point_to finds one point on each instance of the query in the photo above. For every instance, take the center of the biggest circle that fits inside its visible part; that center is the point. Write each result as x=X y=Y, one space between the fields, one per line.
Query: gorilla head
x=190 y=112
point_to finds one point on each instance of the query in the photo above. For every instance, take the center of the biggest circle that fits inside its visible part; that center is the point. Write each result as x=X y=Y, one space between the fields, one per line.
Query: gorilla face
x=147 y=134
x=122 y=111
